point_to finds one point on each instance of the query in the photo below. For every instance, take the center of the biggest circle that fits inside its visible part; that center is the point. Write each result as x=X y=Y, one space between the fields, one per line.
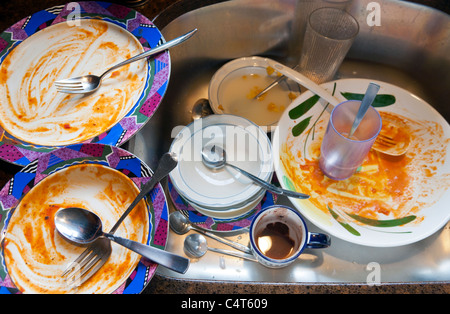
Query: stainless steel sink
x=410 y=49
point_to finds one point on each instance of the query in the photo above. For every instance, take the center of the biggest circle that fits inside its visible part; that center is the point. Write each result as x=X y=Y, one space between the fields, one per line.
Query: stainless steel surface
x=82 y=226
x=89 y=83
x=409 y=49
x=195 y=246
x=167 y=259
x=181 y=225
x=214 y=157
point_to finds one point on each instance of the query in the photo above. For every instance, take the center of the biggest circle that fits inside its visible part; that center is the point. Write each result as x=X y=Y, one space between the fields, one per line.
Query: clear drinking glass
x=303 y=9
x=329 y=35
x=340 y=156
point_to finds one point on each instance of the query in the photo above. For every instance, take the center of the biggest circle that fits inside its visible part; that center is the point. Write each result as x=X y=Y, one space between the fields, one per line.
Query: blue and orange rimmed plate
x=71 y=40
x=389 y=201
x=101 y=178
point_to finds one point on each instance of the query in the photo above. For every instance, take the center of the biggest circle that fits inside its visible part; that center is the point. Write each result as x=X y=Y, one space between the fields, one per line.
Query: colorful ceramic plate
x=388 y=201
x=58 y=163
x=71 y=40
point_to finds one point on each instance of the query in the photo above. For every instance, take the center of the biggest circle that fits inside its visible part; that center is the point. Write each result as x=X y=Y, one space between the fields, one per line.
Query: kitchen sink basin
x=409 y=49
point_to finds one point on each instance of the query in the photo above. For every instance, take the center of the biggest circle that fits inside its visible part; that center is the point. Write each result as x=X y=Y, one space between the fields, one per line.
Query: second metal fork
x=89 y=83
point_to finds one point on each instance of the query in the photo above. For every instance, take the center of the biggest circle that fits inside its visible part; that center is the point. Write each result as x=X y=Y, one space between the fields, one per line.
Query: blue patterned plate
x=19 y=149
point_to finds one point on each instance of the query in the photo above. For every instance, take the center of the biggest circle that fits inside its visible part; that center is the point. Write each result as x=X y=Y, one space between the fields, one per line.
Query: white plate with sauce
x=390 y=201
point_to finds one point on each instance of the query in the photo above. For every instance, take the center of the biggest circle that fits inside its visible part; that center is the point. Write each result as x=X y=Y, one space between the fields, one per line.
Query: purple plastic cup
x=341 y=156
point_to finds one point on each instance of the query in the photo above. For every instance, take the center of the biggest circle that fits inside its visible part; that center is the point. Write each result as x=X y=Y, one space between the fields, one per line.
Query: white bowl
x=247 y=147
x=234 y=85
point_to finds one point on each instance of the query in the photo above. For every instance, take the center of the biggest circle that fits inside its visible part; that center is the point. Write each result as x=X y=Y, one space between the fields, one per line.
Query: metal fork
x=88 y=263
x=385 y=140
x=274 y=83
x=89 y=83
x=387 y=145
x=97 y=253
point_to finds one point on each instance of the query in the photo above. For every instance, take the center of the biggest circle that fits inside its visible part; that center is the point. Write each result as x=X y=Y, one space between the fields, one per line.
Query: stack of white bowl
x=222 y=193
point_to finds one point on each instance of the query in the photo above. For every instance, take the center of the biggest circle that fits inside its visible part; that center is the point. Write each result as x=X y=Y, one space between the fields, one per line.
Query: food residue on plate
x=33 y=111
x=238 y=91
x=394 y=137
x=384 y=187
x=36 y=255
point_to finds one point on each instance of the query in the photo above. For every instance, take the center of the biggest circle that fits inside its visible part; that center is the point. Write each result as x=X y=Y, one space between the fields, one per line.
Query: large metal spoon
x=82 y=226
x=214 y=157
x=195 y=246
x=181 y=225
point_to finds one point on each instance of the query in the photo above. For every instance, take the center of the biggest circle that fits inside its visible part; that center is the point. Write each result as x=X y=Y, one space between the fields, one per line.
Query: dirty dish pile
x=68 y=145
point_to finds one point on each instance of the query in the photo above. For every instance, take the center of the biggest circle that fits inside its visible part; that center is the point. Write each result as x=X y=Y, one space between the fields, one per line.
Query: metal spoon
x=214 y=157
x=201 y=109
x=181 y=225
x=275 y=83
x=368 y=99
x=195 y=246
x=82 y=226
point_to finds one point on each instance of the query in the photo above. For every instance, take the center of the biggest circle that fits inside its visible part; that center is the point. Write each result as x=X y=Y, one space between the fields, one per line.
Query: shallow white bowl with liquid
x=233 y=87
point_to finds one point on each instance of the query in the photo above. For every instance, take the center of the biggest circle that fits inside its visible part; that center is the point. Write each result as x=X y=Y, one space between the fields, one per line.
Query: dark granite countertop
x=13 y=11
